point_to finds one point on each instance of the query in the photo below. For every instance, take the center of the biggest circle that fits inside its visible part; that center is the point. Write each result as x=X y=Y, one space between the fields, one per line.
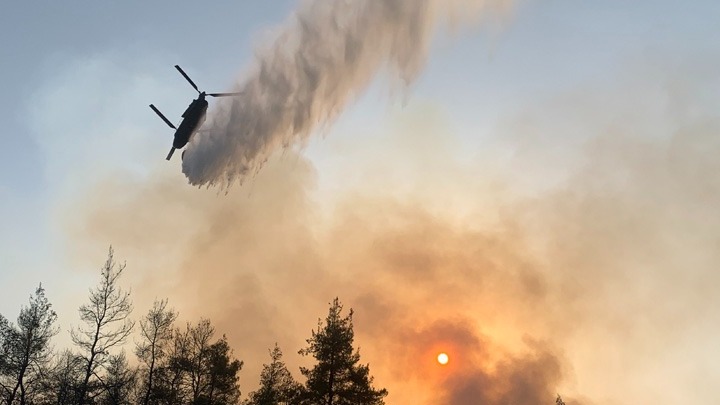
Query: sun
x=443 y=358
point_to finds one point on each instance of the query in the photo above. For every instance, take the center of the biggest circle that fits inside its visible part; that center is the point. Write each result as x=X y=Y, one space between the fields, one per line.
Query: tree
x=277 y=385
x=198 y=371
x=4 y=354
x=119 y=382
x=169 y=387
x=212 y=371
x=199 y=345
x=337 y=378
x=221 y=387
x=107 y=325
x=63 y=380
x=26 y=348
x=156 y=332
x=559 y=401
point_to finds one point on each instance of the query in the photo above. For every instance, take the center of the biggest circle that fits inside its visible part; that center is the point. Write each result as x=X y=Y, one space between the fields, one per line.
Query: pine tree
x=156 y=332
x=277 y=385
x=62 y=383
x=337 y=378
x=171 y=385
x=197 y=371
x=4 y=358
x=107 y=325
x=119 y=382
x=196 y=362
x=26 y=348
x=222 y=380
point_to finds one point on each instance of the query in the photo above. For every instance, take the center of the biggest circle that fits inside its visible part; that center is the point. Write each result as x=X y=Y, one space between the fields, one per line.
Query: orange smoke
x=595 y=280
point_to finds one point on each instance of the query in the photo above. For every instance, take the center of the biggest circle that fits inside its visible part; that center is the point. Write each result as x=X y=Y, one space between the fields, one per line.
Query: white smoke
x=323 y=58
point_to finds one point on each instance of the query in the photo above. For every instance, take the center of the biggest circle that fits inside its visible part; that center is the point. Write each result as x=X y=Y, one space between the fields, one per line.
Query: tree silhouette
x=4 y=356
x=62 y=382
x=337 y=378
x=169 y=387
x=196 y=370
x=119 y=382
x=107 y=325
x=156 y=332
x=199 y=344
x=26 y=348
x=221 y=387
x=175 y=367
x=277 y=386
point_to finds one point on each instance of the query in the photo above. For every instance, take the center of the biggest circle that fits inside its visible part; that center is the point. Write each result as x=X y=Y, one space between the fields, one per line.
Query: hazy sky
x=516 y=127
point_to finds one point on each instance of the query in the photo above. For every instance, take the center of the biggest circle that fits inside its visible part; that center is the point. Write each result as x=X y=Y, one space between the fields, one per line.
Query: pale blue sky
x=548 y=45
x=545 y=50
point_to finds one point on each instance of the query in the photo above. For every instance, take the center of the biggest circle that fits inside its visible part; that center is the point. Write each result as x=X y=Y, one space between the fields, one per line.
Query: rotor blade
x=224 y=94
x=187 y=78
x=172 y=150
x=167 y=121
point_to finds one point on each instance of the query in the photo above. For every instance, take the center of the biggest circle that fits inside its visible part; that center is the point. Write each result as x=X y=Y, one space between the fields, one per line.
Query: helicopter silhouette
x=193 y=117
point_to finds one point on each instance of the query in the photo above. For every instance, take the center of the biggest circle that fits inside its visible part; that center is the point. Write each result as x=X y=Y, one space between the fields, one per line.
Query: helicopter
x=193 y=117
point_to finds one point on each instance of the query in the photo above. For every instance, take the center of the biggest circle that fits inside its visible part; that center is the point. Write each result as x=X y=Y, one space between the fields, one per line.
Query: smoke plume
x=263 y=268
x=599 y=279
x=324 y=58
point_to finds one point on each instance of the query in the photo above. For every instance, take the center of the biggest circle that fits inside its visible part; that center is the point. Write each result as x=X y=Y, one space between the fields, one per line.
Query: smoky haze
x=323 y=58
x=584 y=263
x=264 y=266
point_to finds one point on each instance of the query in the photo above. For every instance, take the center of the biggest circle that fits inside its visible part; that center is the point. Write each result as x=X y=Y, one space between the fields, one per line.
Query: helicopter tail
x=172 y=150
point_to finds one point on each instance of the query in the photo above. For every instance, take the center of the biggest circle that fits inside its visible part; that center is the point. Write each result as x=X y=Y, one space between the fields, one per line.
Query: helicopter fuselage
x=193 y=118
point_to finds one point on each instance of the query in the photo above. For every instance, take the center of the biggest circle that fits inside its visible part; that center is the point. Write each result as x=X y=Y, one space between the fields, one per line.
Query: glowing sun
x=443 y=358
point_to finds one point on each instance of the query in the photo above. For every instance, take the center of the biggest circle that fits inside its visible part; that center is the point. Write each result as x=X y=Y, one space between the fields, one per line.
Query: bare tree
x=156 y=332
x=107 y=325
x=26 y=347
x=199 y=354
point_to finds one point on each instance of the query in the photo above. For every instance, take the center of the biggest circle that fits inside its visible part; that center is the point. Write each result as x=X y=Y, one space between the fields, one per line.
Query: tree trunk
x=88 y=370
x=332 y=380
x=21 y=374
x=150 y=379
x=22 y=393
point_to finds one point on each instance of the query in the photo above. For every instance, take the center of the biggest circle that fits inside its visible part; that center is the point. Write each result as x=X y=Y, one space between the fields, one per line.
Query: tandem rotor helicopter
x=193 y=117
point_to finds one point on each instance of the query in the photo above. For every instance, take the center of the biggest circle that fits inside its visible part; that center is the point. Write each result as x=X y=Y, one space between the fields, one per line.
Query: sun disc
x=443 y=358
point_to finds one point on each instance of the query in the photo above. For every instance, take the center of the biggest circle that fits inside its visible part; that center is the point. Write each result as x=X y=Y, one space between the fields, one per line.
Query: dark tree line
x=337 y=378
x=171 y=365
x=25 y=349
